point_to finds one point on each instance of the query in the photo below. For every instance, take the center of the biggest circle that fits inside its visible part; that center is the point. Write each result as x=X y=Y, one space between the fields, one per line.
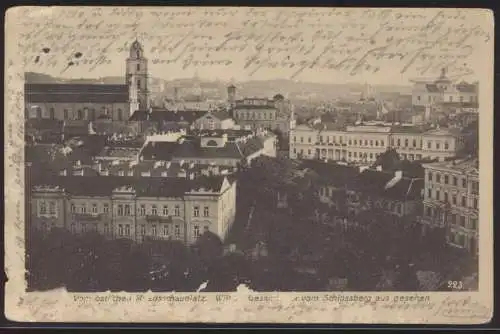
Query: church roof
x=76 y=93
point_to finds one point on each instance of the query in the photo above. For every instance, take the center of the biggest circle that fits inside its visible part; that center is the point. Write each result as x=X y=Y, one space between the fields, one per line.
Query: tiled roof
x=331 y=173
x=147 y=187
x=192 y=149
x=376 y=182
x=165 y=115
x=432 y=88
x=219 y=114
x=158 y=150
x=252 y=106
x=466 y=88
x=76 y=93
x=119 y=152
x=231 y=133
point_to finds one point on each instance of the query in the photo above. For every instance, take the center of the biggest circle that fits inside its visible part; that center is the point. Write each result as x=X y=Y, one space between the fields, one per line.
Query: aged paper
x=320 y=60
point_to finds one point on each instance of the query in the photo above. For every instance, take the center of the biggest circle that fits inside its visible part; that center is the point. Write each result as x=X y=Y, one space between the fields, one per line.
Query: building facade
x=262 y=113
x=451 y=201
x=168 y=209
x=213 y=120
x=73 y=101
x=364 y=143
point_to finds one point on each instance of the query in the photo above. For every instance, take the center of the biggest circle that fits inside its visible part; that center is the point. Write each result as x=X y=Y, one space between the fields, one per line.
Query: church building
x=73 y=101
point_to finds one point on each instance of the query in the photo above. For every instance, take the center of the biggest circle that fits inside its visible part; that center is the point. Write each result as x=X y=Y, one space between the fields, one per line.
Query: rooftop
x=104 y=186
x=467 y=166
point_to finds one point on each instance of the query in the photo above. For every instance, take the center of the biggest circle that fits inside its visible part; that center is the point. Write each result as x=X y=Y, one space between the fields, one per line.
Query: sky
x=376 y=46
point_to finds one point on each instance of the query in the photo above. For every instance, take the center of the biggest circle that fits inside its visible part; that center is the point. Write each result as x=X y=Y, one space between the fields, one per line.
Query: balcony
x=158 y=218
x=87 y=216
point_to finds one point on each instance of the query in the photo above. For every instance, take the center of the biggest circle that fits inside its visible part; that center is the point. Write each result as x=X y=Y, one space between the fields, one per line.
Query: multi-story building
x=451 y=201
x=135 y=209
x=364 y=143
x=63 y=101
x=214 y=120
x=263 y=113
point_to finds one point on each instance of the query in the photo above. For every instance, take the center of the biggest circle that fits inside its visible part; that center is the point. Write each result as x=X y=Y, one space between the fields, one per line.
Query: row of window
x=80 y=114
x=450 y=98
x=451 y=199
x=455 y=219
x=453 y=180
x=377 y=143
x=125 y=210
x=255 y=115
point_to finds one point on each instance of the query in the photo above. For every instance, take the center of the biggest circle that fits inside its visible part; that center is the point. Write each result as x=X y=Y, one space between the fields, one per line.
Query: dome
x=136 y=50
x=278 y=97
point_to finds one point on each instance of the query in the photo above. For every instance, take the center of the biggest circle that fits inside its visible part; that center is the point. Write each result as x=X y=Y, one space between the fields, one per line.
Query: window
x=106 y=228
x=52 y=208
x=392 y=142
x=43 y=207
x=406 y=142
x=429 y=143
x=446 y=145
x=139 y=83
x=196 y=211
x=301 y=139
x=138 y=67
x=309 y=140
x=437 y=145
x=475 y=203
x=462 y=221
x=451 y=99
x=120 y=210
x=371 y=142
x=294 y=139
x=349 y=154
x=371 y=155
x=473 y=223
x=177 y=231
x=143 y=229
x=438 y=195
x=196 y=231
x=475 y=187
x=127 y=230
x=84 y=227
x=309 y=152
x=455 y=181
x=438 y=178
x=142 y=210
x=94 y=208
x=399 y=142
x=464 y=201
x=120 y=229
x=350 y=142
x=355 y=154
x=205 y=211
x=464 y=183
x=165 y=210
x=414 y=143
x=418 y=98
x=154 y=210
x=65 y=114
x=381 y=143
x=429 y=193
x=73 y=228
x=73 y=208
x=430 y=176
x=446 y=179
x=79 y=114
x=166 y=232
x=428 y=211
x=105 y=208
x=376 y=142
x=177 y=211
x=120 y=115
x=153 y=229
x=446 y=197
x=127 y=210
x=121 y=173
x=454 y=200
x=84 y=208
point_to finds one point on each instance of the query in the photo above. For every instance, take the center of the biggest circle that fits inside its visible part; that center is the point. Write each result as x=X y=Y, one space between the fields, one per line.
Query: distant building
x=451 y=201
x=214 y=120
x=262 y=113
x=364 y=143
x=135 y=209
x=92 y=101
x=443 y=93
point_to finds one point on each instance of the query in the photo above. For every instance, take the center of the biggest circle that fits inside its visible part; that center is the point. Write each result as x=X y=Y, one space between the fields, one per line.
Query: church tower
x=137 y=78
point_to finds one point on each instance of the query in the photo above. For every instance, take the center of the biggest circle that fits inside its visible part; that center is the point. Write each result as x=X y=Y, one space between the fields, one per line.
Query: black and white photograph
x=205 y=149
